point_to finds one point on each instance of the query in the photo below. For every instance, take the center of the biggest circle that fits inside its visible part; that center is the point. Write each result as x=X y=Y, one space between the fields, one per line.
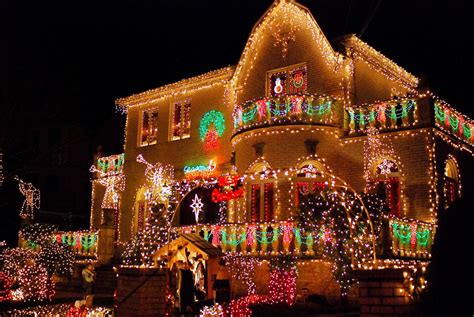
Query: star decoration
x=197 y=207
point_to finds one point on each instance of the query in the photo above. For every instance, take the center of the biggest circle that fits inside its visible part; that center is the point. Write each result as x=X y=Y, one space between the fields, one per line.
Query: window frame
x=140 y=125
x=288 y=71
x=182 y=103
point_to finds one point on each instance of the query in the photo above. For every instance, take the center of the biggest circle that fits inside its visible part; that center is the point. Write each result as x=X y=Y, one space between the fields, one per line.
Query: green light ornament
x=212 y=117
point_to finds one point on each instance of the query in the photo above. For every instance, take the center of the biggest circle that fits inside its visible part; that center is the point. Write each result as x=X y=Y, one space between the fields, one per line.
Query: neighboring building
x=292 y=109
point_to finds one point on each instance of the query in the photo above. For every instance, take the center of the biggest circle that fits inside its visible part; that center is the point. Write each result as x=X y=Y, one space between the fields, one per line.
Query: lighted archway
x=452 y=180
x=386 y=179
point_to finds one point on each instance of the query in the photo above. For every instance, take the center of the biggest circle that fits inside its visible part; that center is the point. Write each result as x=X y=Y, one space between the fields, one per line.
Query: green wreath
x=212 y=116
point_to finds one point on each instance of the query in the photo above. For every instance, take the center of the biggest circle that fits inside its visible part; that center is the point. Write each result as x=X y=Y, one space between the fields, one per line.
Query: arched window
x=261 y=192
x=386 y=181
x=308 y=178
x=140 y=209
x=452 y=188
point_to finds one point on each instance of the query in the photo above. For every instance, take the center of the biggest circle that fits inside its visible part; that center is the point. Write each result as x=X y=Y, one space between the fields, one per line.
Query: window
x=387 y=182
x=261 y=195
x=288 y=80
x=141 y=209
x=451 y=181
x=180 y=125
x=149 y=127
x=308 y=179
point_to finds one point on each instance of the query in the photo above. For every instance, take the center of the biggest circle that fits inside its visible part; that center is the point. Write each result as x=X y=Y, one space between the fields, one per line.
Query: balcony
x=288 y=109
x=83 y=243
x=389 y=115
x=406 y=238
x=453 y=122
x=411 y=238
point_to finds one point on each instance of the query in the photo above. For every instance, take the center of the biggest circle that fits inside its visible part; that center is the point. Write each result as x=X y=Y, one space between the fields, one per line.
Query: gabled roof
x=292 y=8
x=358 y=49
x=191 y=241
x=181 y=87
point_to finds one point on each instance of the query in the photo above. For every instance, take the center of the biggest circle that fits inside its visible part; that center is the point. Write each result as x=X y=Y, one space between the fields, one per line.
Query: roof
x=181 y=87
x=376 y=60
x=191 y=241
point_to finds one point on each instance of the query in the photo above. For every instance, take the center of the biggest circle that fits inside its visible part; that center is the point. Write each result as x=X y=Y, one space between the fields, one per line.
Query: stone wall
x=383 y=293
x=148 y=298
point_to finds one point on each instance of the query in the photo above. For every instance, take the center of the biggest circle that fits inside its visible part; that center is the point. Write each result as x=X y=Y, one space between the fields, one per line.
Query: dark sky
x=63 y=57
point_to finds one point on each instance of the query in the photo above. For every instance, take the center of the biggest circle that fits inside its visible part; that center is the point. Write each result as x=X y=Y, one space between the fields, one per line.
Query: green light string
x=398 y=233
x=454 y=122
x=262 y=237
x=440 y=115
x=71 y=240
x=283 y=109
x=211 y=117
x=88 y=241
x=393 y=112
x=467 y=130
x=233 y=238
x=422 y=237
x=32 y=245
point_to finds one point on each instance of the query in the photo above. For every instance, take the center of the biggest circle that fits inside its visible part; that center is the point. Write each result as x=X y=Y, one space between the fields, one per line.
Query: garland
x=211 y=117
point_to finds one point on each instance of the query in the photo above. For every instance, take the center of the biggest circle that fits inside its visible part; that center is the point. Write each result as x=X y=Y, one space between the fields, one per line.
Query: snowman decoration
x=278 y=86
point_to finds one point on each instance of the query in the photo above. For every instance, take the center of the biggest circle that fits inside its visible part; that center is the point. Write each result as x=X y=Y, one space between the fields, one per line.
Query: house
x=231 y=153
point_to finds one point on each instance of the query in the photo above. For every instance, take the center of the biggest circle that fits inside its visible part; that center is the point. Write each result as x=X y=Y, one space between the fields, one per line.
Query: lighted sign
x=203 y=171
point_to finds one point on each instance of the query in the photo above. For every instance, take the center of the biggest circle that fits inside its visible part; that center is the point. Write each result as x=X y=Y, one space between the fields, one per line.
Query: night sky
x=64 y=63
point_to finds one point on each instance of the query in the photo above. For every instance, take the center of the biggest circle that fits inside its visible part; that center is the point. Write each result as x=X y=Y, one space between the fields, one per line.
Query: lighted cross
x=197 y=207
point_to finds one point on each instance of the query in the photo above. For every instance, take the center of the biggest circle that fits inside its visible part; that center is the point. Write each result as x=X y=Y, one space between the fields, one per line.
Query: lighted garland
x=382 y=115
x=453 y=122
x=266 y=110
x=113 y=163
x=411 y=237
x=211 y=117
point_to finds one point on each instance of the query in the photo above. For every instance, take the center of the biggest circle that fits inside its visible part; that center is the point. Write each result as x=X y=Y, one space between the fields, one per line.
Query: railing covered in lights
x=83 y=243
x=453 y=122
x=111 y=164
x=411 y=238
x=286 y=109
x=388 y=115
x=263 y=238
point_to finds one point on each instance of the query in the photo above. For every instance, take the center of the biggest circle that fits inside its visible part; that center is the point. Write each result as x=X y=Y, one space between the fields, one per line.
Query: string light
x=32 y=199
x=197 y=207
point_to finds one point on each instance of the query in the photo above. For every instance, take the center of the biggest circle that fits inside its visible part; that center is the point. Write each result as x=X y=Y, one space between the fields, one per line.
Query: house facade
x=247 y=142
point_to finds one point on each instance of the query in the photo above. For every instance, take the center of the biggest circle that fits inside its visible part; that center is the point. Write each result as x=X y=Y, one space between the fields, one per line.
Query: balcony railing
x=384 y=115
x=411 y=238
x=83 y=243
x=264 y=239
x=453 y=122
x=288 y=109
